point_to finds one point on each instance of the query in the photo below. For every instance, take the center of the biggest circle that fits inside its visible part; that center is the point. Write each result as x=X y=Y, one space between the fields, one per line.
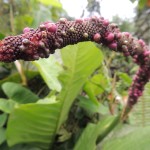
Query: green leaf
x=49 y=70
x=3 y=118
x=19 y=93
x=80 y=61
x=125 y=77
x=6 y=105
x=91 y=107
x=34 y=124
x=54 y=3
x=2 y=135
x=89 y=91
x=16 y=77
x=138 y=139
x=39 y=123
x=88 y=105
x=93 y=131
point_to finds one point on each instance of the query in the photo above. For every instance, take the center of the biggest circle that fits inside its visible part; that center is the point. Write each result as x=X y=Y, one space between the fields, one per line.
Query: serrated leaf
x=19 y=93
x=50 y=69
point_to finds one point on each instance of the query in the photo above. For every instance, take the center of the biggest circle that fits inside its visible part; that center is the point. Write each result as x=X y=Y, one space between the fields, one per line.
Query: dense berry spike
x=43 y=41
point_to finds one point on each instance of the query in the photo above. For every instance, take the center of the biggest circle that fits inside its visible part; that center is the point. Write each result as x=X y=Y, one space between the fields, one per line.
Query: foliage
x=72 y=103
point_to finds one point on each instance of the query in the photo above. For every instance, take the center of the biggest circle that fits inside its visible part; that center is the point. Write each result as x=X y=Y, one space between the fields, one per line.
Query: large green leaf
x=38 y=123
x=80 y=61
x=50 y=69
x=19 y=93
x=93 y=131
x=34 y=124
x=138 y=139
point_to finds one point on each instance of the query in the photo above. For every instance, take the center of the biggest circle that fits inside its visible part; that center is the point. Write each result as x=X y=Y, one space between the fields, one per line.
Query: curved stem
x=43 y=41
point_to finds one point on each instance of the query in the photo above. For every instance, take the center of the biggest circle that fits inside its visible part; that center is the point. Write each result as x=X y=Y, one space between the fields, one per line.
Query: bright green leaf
x=138 y=139
x=93 y=131
x=80 y=61
x=33 y=123
x=38 y=123
x=19 y=93
x=50 y=69
x=125 y=77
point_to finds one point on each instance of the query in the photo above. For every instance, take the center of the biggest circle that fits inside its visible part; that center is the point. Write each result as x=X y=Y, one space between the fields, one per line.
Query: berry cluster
x=43 y=41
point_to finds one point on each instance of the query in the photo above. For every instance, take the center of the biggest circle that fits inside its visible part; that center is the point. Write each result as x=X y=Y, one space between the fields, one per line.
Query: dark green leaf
x=2 y=135
x=93 y=131
x=3 y=118
x=1 y=36
x=19 y=93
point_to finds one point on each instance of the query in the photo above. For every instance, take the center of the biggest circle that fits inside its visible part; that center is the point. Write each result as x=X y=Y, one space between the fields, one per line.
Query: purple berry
x=110 y=37
x=26 y=29
x=97 y=37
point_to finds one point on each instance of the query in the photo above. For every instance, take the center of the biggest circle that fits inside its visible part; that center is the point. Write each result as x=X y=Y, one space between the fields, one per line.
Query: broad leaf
x=34 y=124
x=6 y=105
x=80 y=61
x=38 y=123
x=50 y=69
x=19 y=93
x=138 y=139
x=93 y=131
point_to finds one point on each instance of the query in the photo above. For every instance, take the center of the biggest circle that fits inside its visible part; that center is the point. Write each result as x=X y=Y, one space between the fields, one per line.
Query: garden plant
x=81 y=109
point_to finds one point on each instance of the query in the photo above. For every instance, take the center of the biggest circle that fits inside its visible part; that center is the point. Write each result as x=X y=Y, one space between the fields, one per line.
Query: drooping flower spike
x=43 y=41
